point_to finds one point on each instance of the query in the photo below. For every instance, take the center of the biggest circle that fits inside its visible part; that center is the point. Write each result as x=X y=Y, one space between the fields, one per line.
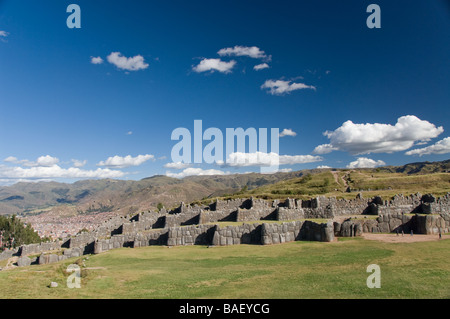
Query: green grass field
x=370 y=182
x=291 y=270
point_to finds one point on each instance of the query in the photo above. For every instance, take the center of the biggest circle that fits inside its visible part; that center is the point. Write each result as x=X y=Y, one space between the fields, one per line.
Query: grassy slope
x=371 y=182
x=292 y=270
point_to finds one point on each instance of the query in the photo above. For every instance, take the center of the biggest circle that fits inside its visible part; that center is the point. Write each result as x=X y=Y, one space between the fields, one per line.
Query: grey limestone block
x=216 y=239
x=52 y=258
x=384 y=227
x=267 y=240
x=23 y=261
x=275 y=239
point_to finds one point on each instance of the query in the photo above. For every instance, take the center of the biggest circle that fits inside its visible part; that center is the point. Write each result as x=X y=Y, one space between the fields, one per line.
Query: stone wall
x=50 y=258
x=397 y=222
x=297 y=230
x=432 y=224
x=235 y=235
x=167 y=228
x=280 y=233
x=191 y=235
x=33 y=249
x=83 y=239
x=254 y=214
x=283 y=213
x=8 y=253
x=188 y=217
x=73 y=252
x=206 y=216
x=230 y=205
x=151 y=237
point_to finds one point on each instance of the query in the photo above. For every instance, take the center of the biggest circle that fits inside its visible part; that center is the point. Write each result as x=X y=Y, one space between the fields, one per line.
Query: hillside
x=346 y=183
x=420 y=168
x=125 y=196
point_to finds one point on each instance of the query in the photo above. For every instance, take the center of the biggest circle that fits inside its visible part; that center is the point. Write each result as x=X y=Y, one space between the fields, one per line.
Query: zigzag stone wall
x=168 y=228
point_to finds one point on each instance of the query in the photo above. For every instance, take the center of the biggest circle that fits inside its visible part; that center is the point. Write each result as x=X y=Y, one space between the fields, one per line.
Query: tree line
x=14 y=233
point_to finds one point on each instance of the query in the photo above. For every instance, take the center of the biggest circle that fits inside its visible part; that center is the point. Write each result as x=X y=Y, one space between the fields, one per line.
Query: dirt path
x=336 y=178
x=10 y=263
x=406 y=238
x=342 y=179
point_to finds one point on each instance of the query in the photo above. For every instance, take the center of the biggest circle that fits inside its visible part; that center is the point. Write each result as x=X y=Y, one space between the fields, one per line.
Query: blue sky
x=165 y=64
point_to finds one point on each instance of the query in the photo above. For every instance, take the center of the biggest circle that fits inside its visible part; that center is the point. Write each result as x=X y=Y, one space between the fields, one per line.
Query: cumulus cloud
x=96 y=60
x=78 y=163
x=177 y=165
x=261 y=66
x=323 y=166
x=240 y=159
x=379 y=138
x=46 y=160
x=191 y=171
x=364 y=162
x=11 y=159
x=214 y=65
x=281 y=87
x=131 y=64
x=441 y=147
x=287 y=132
x=238 y=50
x=55 y=171
x=324 y=149
x=127 y=161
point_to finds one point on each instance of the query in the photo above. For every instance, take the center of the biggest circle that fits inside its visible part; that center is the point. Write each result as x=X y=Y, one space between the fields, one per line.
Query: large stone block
x=23 y=261
x=383 y=227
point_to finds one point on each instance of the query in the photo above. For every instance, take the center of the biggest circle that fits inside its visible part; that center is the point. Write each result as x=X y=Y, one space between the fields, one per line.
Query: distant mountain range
x=125 y=196
x=131 y=196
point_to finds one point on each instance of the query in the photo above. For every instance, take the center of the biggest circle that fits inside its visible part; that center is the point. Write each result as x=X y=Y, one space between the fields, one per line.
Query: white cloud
x=280 y=87
x=364 y=162
x=240 y=159
x=55 y=171
x=261 y=66
x=214 y=65
x=130 y=133
x=287 y=132
x=177 y=165
x=441 y=147
x=96 y=60
x=127 y=161
x=191 y=171
x=238 y=50
x=11 y=159
x=78 y=163
x=131 y=64
x=3 y=35
x=379 y=138
x=46 y=160
x=285 y=170
x=324 y=149
x=323 y=166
